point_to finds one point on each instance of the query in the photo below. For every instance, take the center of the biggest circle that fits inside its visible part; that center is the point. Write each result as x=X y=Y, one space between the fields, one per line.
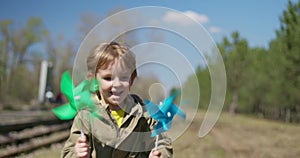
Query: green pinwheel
x=79 y=97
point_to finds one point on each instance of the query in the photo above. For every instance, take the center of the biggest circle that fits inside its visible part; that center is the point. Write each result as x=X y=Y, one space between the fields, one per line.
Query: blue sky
x=255 y=20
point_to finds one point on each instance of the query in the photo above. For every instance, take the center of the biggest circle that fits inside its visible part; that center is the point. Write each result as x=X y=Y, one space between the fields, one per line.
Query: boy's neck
x=114 y=107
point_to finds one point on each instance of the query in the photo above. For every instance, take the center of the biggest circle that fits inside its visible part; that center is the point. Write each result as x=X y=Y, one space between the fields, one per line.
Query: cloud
x=214 y=29
x=183 y=20
x=201 y=18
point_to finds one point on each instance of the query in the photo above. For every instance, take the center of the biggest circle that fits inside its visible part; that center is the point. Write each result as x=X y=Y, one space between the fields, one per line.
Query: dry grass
x=240 y=137
x=232 y=137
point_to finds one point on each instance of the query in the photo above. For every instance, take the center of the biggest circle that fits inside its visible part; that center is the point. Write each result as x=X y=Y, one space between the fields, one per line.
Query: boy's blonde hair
x=103 y=54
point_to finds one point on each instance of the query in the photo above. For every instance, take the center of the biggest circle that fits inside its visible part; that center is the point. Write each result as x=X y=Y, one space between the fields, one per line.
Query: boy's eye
x=124 y=78
x=107 y=78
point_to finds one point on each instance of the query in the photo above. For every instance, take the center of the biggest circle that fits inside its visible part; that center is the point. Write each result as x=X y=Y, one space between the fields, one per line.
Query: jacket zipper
x=114 y=123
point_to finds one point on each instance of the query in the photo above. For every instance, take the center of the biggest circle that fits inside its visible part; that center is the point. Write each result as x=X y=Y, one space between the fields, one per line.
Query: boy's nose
x=116 y=82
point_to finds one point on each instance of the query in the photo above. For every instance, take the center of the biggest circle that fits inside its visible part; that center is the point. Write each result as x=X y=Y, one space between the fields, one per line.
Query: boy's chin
x=114 y=99
x=116 y=102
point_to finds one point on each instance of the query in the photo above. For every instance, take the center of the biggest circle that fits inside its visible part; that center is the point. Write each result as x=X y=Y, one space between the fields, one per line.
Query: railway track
x=16 y=139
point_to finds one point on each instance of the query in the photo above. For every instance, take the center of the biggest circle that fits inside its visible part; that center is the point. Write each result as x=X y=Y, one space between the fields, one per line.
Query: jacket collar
x=131 y=108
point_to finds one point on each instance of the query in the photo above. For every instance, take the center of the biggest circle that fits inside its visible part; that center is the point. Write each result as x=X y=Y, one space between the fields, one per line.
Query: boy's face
x=114 y=82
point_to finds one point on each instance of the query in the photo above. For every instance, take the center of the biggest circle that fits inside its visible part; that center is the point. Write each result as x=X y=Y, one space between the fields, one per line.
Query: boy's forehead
x=117 y=66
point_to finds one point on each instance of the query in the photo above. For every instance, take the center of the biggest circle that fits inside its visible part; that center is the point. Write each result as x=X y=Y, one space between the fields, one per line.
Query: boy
x=124 y=127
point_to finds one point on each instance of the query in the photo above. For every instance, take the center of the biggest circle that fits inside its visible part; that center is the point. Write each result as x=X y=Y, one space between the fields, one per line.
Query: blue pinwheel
x=164 y=114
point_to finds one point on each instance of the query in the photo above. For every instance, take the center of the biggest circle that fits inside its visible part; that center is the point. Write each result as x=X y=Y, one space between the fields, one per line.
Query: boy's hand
x=82 y=147
x=155 y=154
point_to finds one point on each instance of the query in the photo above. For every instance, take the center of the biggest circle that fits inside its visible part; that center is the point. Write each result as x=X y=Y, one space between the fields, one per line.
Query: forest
x=263 y=82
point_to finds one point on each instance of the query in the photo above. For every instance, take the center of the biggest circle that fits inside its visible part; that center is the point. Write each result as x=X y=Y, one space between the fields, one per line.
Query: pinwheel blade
x=158 y=129
x=64 y=112
x=178 y=111
x=164 y=114
x=153 y=110
x=66 y=86
x=79 y=97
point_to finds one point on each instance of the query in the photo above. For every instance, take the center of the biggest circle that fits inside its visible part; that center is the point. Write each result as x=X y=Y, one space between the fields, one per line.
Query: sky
x=255 y=20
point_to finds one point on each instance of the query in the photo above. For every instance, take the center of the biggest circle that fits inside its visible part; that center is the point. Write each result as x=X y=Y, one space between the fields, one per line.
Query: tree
x=204 y=82
x=60 y=54
x=15 y=42
x=6 y=34
x=257 y=84
x=234 y=54
x=286 y=47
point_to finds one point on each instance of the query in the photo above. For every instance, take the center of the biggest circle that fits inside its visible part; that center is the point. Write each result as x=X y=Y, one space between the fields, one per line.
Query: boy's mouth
x=115 y=93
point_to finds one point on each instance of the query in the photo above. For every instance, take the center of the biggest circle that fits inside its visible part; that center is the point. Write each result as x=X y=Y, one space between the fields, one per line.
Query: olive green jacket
x=107 y=140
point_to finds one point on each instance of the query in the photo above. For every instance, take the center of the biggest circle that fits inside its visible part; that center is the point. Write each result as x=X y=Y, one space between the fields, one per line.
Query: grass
x=240 y=136
x=232 y=137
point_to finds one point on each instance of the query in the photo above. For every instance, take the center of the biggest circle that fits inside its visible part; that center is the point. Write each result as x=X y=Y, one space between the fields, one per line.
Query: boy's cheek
x=106 y=84
x=105 y=88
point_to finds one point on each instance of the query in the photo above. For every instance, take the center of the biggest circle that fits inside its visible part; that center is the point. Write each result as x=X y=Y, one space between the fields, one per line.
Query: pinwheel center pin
x=169 y=114
x=77 y=97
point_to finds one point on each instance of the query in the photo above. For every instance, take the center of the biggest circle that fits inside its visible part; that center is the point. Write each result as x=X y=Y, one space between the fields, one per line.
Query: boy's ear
x=132 y=78
x=90 y=75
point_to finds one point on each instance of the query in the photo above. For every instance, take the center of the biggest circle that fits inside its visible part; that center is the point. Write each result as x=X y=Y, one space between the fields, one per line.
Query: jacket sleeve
x=164 y=142
x=69 y=147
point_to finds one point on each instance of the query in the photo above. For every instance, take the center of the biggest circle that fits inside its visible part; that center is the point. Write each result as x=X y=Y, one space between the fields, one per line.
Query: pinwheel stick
x=77 y=98
x=156 y=142
x=81 y=131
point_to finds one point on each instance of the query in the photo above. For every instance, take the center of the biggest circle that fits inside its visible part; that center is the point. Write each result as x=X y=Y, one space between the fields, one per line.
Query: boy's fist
x=155 y=154
x=82 y=147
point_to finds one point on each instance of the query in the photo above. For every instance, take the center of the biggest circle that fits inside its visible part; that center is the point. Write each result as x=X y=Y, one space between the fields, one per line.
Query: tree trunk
x=234 y=103
x=288 y=115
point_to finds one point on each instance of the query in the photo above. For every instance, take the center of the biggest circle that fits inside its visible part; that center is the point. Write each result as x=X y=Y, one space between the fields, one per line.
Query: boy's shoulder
x=137 y=99
x=140 y=102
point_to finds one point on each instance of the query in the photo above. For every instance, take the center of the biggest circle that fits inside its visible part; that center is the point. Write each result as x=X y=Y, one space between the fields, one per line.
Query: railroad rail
x=19 y=138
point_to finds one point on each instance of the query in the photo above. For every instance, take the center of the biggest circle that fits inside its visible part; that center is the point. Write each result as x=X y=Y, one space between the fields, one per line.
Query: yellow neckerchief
x=119 y=116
